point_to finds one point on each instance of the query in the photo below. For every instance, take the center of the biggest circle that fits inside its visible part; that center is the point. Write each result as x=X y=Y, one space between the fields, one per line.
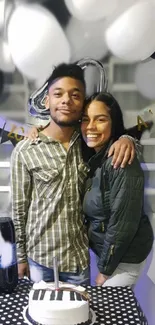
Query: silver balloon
x=102 y=85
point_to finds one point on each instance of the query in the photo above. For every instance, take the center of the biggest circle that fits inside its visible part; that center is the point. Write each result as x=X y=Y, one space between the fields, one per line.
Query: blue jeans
x=40 y=272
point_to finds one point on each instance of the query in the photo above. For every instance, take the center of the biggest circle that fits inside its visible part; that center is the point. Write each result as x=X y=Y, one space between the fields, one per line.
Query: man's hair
x=63 y=70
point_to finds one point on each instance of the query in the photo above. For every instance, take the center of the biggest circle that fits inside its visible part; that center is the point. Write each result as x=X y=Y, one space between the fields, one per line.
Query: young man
x=47 y=178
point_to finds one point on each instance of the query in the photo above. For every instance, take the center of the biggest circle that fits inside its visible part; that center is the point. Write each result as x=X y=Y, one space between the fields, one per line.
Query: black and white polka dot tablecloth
x=113 y=306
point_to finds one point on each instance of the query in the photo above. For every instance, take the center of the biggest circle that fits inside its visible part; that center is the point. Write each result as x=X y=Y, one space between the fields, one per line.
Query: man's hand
x=123 y=151
x=33 y=133
x=100 y=279
x=23 y=270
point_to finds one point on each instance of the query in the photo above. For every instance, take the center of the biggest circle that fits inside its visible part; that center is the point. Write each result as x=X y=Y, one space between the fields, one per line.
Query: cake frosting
x=68 y=305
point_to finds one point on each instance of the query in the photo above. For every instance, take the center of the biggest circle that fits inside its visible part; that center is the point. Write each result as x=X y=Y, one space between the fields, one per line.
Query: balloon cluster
x=36 y=41
x=38 y=35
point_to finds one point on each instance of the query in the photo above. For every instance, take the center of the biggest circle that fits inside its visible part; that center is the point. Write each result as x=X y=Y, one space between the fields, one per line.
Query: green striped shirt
x=47 y=183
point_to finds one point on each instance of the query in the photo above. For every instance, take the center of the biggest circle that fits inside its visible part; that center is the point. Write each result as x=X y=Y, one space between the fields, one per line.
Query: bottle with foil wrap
x=8 y=259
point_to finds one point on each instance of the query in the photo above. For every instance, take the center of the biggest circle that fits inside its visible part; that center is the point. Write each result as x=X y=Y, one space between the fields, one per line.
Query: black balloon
x=153 y=56
x=59 y=9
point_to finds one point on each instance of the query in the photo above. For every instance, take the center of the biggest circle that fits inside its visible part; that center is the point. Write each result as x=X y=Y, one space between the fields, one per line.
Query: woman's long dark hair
x=115 y=112
x=118 y=128
x=116 y=117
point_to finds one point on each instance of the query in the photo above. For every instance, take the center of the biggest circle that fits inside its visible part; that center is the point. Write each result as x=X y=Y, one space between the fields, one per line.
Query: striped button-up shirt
x=47 y=183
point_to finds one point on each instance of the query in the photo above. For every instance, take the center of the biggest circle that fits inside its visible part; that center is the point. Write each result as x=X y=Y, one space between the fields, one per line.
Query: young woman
x=119 y=232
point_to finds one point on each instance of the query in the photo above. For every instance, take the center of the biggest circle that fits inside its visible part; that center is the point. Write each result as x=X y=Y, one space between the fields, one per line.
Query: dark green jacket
x=118 y=229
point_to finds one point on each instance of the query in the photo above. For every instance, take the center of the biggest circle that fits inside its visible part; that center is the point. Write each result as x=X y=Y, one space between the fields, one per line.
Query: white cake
x=67 y=306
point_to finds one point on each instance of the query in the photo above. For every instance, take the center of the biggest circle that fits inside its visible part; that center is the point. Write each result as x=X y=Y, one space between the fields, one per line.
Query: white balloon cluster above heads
x=131 y=35
x=36 y=40
x=130 y=30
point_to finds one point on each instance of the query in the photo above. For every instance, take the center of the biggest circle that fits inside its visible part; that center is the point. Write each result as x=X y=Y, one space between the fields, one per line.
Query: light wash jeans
x=40 y=272
x=126 y=274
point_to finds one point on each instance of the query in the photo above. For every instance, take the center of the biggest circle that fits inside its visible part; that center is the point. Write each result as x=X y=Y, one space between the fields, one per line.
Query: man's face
x=65 y=100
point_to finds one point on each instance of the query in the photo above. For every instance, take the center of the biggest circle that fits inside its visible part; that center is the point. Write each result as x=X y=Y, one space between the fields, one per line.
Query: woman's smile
x=96 y=125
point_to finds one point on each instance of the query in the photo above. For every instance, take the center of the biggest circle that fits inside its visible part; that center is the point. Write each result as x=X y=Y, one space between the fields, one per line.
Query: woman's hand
x=123 y=151
x=33 y=133
x=100 y=279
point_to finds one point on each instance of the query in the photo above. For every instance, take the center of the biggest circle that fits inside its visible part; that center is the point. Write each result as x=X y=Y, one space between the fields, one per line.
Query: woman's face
x=96 y=125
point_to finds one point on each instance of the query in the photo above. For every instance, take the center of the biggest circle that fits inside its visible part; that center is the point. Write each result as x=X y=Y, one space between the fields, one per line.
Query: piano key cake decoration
x=67 y=305
x=58 y=303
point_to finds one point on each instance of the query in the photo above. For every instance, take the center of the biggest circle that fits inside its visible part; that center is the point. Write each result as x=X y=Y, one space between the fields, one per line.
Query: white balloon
x=85 y=39
x=123 y=5
x=145 y=79
x=2 y=3
x=91 y=9
x=6 y=63
x=131 y=36
x=36 y=40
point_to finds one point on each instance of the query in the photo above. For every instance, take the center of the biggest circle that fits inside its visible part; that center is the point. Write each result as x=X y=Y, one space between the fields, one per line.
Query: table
x=113 y=306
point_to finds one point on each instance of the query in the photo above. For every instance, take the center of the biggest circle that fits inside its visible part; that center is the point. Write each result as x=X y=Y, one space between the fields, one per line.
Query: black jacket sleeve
x=126 y=202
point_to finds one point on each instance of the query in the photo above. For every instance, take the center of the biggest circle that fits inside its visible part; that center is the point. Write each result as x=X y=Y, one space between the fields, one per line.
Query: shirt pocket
x=46 y=182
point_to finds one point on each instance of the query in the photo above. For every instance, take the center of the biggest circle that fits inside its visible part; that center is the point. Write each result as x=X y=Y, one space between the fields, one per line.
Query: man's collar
x=43 y=138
